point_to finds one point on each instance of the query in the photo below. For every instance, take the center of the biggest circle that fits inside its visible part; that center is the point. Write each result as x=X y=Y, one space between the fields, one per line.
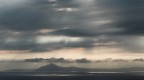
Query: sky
x=93 y=29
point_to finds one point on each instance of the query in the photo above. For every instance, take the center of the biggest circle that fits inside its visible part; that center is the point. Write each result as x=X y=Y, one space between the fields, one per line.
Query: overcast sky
x=71 y=28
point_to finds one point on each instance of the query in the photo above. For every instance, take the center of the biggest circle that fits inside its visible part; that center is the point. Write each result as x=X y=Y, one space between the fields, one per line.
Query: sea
x=133 y=75
x=97 y=76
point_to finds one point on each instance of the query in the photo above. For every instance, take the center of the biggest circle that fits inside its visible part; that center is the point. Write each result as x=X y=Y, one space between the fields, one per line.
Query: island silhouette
x=53 y=68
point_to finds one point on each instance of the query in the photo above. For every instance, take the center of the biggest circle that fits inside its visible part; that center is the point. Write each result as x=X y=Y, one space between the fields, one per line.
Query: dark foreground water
x=72 y=78
x=105 y=76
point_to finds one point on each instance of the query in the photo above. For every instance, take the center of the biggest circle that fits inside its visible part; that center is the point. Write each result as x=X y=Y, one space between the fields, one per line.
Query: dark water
x=96 y=77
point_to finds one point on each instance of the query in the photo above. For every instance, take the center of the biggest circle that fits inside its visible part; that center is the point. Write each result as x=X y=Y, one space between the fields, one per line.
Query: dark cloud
x=132 y=22
x=35 y=15
x=29 y=17
x=73 y=32
x=90 y=20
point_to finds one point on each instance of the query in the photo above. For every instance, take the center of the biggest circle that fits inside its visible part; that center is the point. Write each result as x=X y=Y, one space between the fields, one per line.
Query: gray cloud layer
x=93 y=21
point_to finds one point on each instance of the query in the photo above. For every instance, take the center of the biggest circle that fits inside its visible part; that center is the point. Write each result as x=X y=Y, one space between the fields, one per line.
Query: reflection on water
x=53 y=75
x=107 y=72
x=73 y=74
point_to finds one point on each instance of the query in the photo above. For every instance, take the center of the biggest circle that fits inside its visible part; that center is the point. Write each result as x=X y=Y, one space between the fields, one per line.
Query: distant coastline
x=82 y=60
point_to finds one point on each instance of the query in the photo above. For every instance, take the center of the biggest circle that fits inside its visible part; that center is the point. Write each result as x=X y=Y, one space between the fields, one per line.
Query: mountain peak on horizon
x=49 y=67
x=52 y=65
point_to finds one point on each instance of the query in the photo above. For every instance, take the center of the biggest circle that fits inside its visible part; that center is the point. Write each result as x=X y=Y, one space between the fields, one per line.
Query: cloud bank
x=45 y=25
